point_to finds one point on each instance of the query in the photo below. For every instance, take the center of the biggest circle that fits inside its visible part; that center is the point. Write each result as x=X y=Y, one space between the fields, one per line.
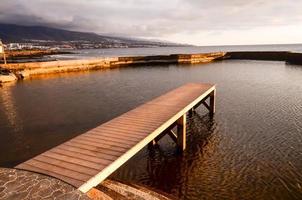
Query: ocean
x=252 y=149
x=92 y=53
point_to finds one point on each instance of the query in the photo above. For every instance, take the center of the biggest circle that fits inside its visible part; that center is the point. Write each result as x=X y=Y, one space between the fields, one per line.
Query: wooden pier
x=86 y=160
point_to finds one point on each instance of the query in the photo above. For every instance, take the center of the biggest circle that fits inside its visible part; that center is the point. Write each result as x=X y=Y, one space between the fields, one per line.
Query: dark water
x=252 y=149
x=88 y=53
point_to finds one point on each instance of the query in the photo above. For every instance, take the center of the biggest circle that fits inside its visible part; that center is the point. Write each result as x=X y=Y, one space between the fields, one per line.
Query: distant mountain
x=25 y=34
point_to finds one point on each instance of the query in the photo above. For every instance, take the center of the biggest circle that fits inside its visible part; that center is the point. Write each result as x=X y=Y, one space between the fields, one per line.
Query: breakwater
x=26 y=70
x=15 y=55
x=15 y=71
x=287 y=56
x=258 y=55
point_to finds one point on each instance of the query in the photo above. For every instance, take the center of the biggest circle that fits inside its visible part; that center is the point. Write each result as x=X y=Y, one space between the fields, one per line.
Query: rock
x=7 y=77
x=24 y=74
x=110 y=189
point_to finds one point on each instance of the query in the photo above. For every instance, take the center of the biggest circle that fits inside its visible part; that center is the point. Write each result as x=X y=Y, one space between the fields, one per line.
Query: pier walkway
x=88 y=159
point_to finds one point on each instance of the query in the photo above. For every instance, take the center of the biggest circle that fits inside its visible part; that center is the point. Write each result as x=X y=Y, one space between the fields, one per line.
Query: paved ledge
x=19 y=184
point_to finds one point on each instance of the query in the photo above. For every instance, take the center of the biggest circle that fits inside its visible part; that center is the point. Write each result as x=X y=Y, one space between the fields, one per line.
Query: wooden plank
x=71 y=153
x=150 y=107
x=139 y=119
x=75 y=160
x=106 y=141
x=118 y=134
x=107 y=153
x=109 y=138
x=131 y=126
x=173 y=136
x=73 y=181
x=132 y=129
x=206 y=105
x=58 y=170
x=151 y=115
x=129 y=122
x=67 y=165
x=117 y=130
x=88 y=159
x=89 y=155
x=113 y=147
x=136 y=132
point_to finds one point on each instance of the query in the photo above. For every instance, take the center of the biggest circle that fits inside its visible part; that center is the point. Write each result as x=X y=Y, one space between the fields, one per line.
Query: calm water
x=251 y=150
x=83 y=54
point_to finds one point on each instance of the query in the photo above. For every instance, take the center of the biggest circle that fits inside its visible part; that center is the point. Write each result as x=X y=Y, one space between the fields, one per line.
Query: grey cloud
x=151 y=18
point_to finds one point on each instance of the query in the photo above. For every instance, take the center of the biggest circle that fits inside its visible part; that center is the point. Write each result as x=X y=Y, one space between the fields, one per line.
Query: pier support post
x=4 y=58
x=191 y=111
x=152 y=144
x=213 y=102
x=181 y=132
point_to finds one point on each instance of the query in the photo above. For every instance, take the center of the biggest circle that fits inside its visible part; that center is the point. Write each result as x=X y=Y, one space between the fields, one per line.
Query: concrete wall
x=25 y=70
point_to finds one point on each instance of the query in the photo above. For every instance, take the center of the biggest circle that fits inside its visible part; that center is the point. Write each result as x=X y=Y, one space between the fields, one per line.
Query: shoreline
x=19 y=55
x=17 y=71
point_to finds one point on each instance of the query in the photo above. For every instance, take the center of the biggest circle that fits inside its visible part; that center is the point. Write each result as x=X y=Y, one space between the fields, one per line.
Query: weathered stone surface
x=8 y=78
x=17 y=54
x=117 y=190
x=19 y=184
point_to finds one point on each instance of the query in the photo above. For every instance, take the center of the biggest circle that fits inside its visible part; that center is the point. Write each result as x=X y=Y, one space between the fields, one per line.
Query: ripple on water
x=252 y=149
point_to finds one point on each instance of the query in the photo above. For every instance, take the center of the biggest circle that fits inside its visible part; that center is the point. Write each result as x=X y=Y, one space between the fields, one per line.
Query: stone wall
x=25 y=70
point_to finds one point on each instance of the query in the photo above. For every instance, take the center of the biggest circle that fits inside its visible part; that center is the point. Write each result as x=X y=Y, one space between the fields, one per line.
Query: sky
x=197 y=22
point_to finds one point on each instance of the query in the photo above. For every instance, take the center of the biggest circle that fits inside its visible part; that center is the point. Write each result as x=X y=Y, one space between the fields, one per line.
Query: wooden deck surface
x=88 y=159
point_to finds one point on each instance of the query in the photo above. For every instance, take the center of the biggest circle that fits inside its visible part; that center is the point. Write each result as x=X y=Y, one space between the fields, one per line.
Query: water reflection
x=252 y=149
x=14 y=122
x=9 y=106
x=164 y=165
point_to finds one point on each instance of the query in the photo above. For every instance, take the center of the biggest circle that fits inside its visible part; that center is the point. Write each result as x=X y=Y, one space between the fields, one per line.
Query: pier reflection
x=172 y=170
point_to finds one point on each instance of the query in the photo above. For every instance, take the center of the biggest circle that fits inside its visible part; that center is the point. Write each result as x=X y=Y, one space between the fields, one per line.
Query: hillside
x=15 y=33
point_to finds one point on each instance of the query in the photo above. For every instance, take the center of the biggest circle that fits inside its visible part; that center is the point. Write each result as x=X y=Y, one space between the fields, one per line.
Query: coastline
x=16 y=55
x=24 y=70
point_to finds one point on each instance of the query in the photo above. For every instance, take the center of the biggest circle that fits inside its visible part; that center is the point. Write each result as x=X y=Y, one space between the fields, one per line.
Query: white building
x=14 y=46
x=1 y=47
x=2 y=53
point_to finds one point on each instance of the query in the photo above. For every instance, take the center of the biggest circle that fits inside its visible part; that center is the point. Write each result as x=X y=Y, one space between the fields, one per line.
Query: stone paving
x=19 y=184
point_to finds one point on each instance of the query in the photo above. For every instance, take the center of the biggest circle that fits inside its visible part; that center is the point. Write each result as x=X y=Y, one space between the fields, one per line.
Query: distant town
x=66 y=45
x=16 y=37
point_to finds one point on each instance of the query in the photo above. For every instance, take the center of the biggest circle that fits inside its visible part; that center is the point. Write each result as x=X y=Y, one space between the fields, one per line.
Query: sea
x=251 y=149
x=114 y=52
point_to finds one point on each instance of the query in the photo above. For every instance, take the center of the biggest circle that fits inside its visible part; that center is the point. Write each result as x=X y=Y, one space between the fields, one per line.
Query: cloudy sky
x=199 y=22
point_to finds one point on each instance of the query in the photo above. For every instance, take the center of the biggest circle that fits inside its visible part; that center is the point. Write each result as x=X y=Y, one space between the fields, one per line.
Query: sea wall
x=294 y=58
x=26 y=70
x=28 y=54
x=258 y=55
x=287 y=56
